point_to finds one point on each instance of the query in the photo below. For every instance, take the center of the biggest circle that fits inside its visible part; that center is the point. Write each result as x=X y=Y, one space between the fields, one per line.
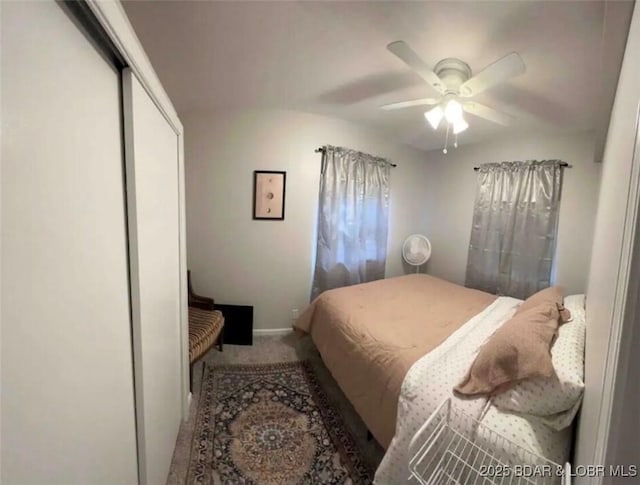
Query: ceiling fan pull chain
x=455 y=141
x=446 y=140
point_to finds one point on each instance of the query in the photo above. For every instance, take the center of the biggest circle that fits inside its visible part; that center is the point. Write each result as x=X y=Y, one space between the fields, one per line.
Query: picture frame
x=269 y=189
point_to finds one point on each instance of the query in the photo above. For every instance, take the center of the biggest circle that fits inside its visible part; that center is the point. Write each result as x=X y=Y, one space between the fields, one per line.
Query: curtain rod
x=321 y=150
x=562 y=164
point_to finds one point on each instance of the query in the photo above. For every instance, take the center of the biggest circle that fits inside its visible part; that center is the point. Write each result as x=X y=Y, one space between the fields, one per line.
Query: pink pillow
x=553 y=294
x=518 y=350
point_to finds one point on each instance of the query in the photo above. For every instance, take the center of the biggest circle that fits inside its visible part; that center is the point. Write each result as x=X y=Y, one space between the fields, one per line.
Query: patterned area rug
x=270 y=424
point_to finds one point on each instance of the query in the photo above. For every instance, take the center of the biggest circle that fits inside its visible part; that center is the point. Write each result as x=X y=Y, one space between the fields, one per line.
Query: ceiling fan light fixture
x=453 y=112
x=460 y=125
x=434 y=116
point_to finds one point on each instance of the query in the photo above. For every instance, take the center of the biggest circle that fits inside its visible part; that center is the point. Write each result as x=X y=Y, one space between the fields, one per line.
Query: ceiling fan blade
x=411 y=59
x=487 y=113
x=409 y=104
x=503 y=69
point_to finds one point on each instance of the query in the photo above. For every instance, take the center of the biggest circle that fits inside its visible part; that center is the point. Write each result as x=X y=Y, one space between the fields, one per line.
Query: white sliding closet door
x=67 y=380
x=152 y=186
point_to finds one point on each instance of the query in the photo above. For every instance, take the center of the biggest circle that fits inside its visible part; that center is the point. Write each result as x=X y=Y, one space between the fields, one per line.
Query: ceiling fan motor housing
x=453 y=72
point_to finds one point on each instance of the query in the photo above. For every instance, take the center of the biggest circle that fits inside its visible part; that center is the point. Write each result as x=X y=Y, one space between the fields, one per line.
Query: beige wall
x=451 y=188
x=269 y=264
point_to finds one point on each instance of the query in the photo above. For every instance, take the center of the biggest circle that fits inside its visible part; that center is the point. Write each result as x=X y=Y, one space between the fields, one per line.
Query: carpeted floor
x=289 y=348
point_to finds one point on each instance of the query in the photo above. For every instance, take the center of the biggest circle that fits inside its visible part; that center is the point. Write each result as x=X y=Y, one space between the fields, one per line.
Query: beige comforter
x=370 y=334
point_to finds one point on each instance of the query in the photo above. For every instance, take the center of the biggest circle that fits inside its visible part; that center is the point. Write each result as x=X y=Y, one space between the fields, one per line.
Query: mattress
x=369 y=335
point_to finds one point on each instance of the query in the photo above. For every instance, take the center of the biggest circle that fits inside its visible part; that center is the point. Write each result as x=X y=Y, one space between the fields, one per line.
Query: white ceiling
x=330 y=58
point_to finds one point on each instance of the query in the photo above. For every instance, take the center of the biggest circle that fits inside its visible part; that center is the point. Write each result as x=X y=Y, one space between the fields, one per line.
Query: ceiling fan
x=453 y=87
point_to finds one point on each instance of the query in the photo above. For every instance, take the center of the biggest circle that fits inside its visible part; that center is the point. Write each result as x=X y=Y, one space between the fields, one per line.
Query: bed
x=396 y=347
x=536 y=414
x=369 y=335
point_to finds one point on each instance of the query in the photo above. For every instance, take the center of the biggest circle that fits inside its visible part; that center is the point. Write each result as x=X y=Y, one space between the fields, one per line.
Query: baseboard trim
x=271 y=332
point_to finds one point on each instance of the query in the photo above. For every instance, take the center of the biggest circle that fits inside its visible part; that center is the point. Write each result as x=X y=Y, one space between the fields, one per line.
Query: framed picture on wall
x=268 y=195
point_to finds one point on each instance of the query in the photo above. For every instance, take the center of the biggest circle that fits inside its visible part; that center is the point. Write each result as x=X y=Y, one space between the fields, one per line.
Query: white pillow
x=555 y=399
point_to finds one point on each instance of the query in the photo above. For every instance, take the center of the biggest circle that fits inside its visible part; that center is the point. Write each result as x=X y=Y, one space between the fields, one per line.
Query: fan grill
x=416 y=250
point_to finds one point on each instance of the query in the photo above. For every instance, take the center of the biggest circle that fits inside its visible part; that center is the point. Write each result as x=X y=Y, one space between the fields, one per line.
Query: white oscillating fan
x=416 y=250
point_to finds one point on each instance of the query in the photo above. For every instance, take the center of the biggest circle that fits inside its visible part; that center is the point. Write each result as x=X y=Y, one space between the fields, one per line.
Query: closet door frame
x=114 y=21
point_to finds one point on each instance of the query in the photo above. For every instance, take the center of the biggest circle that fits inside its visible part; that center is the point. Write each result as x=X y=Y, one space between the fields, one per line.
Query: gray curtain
x=515 y=219
x=353 y=217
